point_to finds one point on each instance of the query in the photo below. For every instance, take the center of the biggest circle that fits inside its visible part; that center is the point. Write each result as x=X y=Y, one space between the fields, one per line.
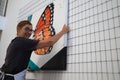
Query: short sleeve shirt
x=18 y=54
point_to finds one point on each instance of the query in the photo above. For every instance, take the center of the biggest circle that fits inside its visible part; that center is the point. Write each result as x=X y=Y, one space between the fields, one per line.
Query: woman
x=20 y=49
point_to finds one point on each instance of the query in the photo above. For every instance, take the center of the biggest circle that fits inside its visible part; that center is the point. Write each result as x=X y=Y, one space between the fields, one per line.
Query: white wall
x=93 y=42
x=9 y=33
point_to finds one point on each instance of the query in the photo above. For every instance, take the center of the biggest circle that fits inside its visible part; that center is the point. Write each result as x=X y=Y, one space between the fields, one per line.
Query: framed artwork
x=47 y=22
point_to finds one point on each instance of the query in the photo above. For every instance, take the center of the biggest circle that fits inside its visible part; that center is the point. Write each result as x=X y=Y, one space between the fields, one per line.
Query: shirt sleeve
x=26 y=44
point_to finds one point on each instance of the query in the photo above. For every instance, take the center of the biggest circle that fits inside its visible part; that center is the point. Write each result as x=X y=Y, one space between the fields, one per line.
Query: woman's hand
x=65 y=29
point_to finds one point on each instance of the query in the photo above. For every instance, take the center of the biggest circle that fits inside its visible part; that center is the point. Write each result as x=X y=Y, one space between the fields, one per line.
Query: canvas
x=48 y=21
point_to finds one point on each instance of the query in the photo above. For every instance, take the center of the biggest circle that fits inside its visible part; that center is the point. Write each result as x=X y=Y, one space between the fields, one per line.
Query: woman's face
x=25 y=31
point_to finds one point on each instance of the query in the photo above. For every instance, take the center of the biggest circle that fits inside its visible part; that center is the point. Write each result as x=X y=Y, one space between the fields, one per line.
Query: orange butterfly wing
x=44 y=29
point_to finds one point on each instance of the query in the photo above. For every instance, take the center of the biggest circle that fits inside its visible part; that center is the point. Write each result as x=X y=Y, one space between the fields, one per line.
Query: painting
x=47 y=22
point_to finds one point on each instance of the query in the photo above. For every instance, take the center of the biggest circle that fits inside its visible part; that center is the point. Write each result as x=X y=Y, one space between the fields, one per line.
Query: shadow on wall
x=0 y=34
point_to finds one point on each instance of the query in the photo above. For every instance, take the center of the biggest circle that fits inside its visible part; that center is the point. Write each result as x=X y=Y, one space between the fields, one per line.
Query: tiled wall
x=93 y=40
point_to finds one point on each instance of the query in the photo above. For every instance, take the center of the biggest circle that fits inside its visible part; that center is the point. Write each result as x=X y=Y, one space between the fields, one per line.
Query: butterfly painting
x=44 y=28
x=48 y=21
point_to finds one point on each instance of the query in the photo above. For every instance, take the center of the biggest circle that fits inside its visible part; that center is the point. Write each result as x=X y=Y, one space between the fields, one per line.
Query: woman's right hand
x=65 y=29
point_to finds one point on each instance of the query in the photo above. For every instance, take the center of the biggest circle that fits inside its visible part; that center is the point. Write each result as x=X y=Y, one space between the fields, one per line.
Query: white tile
x=104 y=76
x=80 y=49
x=73 y=50
x=80 y=58
x=104 y=7
x=88 y=30
x=96 y=27
x=111 y=23
x=85 y=67
x=111 y=76
x=101 y=26
x=91 y=12
x=92 y=37
x=84 y=57
x=114 y=3
x=115 y=67
x=113 y=44
x=114 y=55
x=80 y=40
x=108 y=55
x=106 y=34
x=99 y=76
x=105 y=23
x=95 y=2
x=97 y=37
x=69 y=59
x=77 y=33
x=80 y=31
x=81 y=76
x=101 y=35
x=77 y=76
x=84 y=48
x=105 y=16
x=83 y=7
x=91 y=4
x=99 y=9
x=81 y=67
x=104 y=67
x=115 y=12
x=94 y=76
x=97 y=46
x=84 y=22
x=118 y=51
x=110 y=14
x=118 y=42
x=109 y=5
x=98 y=56
x=89 y=58
x=91 y=20
x=85 y=77
x=118 y=2
x=92 y=29
x=117 y=22
x=117 y=76
x=100 y=16
x=102 y=45
x=89 y=67
x=93 y=56
x=84 y=31
x=99 y=2
x=87 y=21
x=92 y=46
x=93 y=67
x=77 y=67
x=84 y=39
x=88 y=38
x=96 y=18
x=77 y=49
x=95 y=10
x=107 y=44
x=89 y=76
x=88 y=13
x=68 y=67
x=103 y=56
x=109 y=67
x=77 y=18
x=112 y=33
x=99 y=67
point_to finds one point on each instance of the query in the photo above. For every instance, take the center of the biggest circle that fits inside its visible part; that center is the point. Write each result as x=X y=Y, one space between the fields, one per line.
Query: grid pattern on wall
x=93 y=40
